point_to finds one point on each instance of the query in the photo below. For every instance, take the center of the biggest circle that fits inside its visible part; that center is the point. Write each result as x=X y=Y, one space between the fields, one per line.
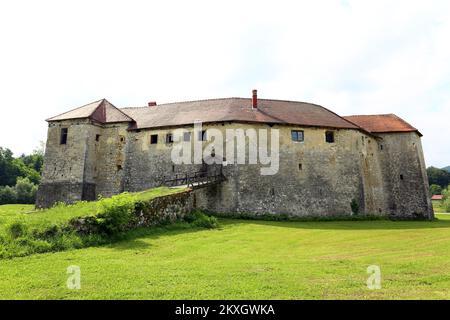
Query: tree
x=438 y=176
x=435 y=189
x=446 y=199
x=25 y=190
x=36 y=159
x=25 y=166
x=8 y=195
x=8 y=170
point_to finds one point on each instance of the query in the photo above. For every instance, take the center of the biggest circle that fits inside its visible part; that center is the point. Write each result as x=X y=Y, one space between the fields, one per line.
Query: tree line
x=439 y=179
x=20 y=176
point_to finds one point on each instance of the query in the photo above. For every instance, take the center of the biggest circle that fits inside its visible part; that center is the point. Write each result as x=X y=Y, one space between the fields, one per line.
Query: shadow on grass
x=345 y=225
x=133 y=240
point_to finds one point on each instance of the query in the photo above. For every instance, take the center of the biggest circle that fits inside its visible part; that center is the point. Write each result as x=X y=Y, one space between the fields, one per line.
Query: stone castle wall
x=315 y=178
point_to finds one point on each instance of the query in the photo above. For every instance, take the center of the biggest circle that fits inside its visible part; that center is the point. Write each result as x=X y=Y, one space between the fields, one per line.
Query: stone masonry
x=108 y=152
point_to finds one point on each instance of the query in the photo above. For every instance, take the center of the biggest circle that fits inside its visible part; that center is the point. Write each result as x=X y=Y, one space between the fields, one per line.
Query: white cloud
x=351 y=56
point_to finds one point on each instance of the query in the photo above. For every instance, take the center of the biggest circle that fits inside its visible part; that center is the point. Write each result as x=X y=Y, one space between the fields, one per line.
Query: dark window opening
x=119 y=167
x=154 y=139
x=187 y=136
x=122 y=138
x=300 y=167
x=297 y=135
x=173 y=168
x=329 y=137
x=381 y=147
x=202 y=135
x=169 y=138
x=401 y=177
x=97 y=137
x=272 y=191
x=63 y=139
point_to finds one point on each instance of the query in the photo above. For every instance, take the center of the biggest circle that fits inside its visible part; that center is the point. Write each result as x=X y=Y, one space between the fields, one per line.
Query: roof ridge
x=229 y=98
x=368 y=115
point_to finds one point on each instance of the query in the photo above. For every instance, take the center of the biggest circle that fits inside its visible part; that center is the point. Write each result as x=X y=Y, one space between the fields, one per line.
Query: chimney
x=152 y=103
x=255 y=99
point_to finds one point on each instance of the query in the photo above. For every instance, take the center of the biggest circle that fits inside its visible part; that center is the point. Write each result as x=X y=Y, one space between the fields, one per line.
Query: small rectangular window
x=297 y=135
x=63 y=138
x=329 y=137
x=300 y=166
x=97 y=137
x=169 y=138
x=202 y=135
x=187 y=136
x=154 y=139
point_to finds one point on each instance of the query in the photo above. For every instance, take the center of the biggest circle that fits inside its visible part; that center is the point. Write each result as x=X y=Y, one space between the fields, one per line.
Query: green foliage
x=63 y=227
x=446 y=199
x=435 y=189
x=23 y=192
x=26 y=190
x=116 y=213
x=8 y=195
x=16 y=230
x=24 y=166
x=438 y=176
x=354 y=206
x=200 y=219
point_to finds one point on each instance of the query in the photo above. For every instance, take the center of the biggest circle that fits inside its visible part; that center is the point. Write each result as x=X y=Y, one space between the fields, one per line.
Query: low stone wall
x=164 y=209
x=157 y=211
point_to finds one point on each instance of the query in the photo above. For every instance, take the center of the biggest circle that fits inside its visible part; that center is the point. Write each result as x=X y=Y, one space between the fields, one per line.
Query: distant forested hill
x=447 y=168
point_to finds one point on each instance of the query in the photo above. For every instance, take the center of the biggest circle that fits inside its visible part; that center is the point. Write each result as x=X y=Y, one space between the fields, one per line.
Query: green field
x=246 y=260
x=38 y=219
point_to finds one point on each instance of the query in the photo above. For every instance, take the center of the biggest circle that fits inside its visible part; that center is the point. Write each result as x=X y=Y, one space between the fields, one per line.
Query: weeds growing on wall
x=114 y=220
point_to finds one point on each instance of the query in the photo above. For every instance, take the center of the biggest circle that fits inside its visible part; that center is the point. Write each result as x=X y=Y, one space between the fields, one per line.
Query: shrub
x=16 y=230
x=25 y=190
x=115 y=214
x=435 y=189
x=8 y=195
x=199 y=219
x=355 y=206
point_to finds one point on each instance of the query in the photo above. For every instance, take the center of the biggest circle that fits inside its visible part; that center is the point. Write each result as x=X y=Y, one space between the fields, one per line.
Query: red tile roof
x=437 y=197
x=237 y=110
x=102 y=111
x=382 y=123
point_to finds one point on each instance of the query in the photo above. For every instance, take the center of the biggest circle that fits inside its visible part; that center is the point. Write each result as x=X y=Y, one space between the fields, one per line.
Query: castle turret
x=84 y=152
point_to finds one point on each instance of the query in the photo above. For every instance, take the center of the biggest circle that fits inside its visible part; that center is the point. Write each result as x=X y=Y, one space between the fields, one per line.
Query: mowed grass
x=248 y=260
x=39 y=219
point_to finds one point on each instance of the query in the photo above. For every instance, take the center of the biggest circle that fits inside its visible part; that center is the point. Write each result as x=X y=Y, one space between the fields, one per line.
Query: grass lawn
x=247 y=260
x=37 y=219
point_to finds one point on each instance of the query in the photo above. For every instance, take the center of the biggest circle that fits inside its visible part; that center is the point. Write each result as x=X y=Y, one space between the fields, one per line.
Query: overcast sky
x=354 y=57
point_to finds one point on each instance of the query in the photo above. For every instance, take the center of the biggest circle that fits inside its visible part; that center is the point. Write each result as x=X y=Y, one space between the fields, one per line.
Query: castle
x=326 y=161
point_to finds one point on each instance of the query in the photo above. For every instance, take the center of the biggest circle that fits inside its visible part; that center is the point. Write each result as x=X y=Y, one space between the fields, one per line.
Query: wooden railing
x=195 y=180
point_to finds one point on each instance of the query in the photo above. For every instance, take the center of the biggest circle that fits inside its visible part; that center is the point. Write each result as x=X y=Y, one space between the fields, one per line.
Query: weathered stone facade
x=385 y=173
